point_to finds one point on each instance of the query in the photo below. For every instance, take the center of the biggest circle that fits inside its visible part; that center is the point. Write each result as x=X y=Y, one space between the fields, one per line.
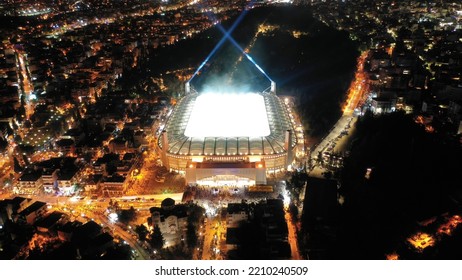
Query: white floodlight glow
x=113 y=217
x=228 y=115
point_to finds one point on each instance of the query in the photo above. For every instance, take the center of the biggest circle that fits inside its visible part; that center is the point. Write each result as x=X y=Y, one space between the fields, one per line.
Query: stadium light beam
x=256 y=65
x=220 y=43
x=227 y=36
x=231 y=39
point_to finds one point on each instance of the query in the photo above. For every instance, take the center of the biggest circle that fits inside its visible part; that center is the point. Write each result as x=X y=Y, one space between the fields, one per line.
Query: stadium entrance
x=226 y=174
x=226 y=181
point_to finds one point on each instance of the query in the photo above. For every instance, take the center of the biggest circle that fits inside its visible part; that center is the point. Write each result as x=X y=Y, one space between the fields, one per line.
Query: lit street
x=336 y=141
x=127 y=237
x=292 y=237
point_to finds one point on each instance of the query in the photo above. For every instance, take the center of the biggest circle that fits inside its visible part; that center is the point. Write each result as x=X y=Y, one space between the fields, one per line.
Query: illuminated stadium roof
x=228 y=124
x=228 y=115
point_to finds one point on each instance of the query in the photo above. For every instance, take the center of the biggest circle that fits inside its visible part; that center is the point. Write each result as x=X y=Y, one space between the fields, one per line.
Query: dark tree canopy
x=191 y=236
x=142 y=232
x=414 y=176
x=156 y=239
x=127 y=215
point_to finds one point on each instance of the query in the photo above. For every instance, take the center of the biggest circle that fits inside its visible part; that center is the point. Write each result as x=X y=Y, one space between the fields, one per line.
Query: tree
x=118 y=252
x=88 y=157
x=3 y=144
x=156 y=239
x=21 y=113
x=142 y=232
x=293 y=209
x=191 y=236
x=126 y=216
x=27 y=124
x=195 y=214
x=17 y=167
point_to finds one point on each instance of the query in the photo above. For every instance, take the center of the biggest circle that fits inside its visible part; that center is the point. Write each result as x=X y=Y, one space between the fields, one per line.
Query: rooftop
x=237 y=208
x=50 y=220
x=249 y=124
x=32 y=208
x=228 y=115
x=30 y=177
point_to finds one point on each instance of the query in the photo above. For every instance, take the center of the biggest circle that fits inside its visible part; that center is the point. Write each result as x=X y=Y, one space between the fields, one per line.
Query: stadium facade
x=228 y=138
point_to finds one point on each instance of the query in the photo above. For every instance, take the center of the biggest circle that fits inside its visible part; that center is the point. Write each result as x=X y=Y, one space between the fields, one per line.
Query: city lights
x=110 y=150
x=421 y=240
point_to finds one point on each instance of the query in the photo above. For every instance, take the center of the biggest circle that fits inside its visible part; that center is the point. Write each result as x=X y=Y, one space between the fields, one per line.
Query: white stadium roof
x=228 y=124
x=228 y=115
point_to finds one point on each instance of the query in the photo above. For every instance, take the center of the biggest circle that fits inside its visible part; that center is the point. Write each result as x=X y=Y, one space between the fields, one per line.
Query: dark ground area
x=415 y=176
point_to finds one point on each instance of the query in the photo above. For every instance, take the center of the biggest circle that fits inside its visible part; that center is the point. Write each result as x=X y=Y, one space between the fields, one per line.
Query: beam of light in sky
x=227 y=36
x=231 y=39
x=220 y=43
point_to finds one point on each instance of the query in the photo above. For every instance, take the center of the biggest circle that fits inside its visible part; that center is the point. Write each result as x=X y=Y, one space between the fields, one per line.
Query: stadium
x=228 y=138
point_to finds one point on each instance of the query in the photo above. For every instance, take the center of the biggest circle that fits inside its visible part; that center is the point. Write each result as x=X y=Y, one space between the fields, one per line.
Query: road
x=358 y=87
x=209 y=232
x=213 y=238
x=335 y=139
x=292 y=238
x=87 y=209
x=131 y=241
x=334 y=142
x=27 y=87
